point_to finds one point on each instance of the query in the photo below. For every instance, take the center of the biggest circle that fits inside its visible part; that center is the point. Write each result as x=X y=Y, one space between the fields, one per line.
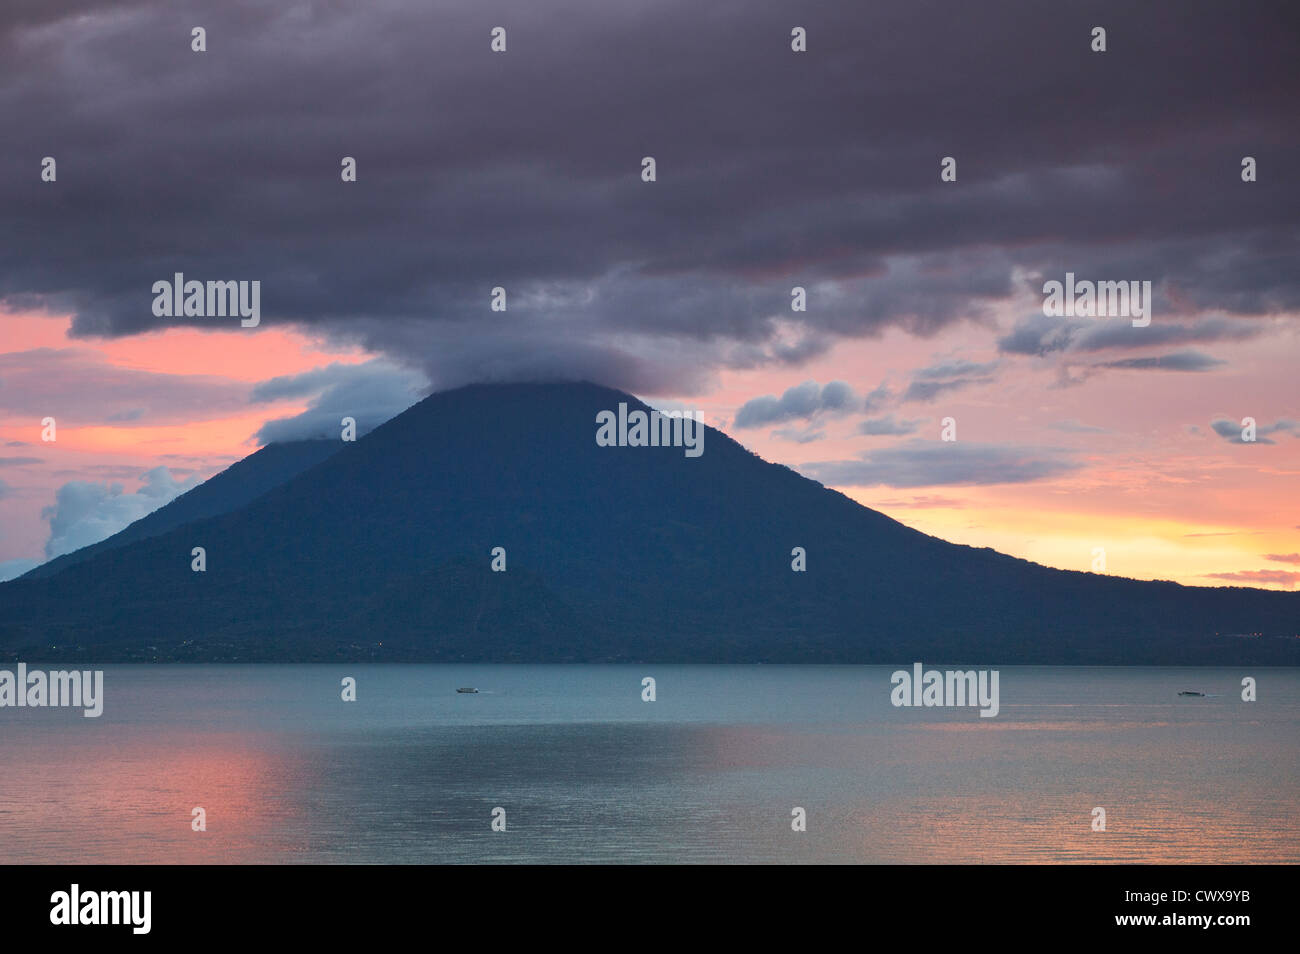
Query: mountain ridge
x=242 y=482
x=382 y=550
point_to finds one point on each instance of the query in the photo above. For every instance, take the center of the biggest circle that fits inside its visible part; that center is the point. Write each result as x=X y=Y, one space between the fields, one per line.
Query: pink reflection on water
x=130 y=801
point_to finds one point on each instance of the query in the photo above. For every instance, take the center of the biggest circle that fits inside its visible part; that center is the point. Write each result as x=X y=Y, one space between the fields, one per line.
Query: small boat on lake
x=471 y=689
x=1190 y=692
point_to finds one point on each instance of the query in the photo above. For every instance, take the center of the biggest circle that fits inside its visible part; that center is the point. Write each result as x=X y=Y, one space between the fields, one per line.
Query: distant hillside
x=382 y=551
x=237 y=485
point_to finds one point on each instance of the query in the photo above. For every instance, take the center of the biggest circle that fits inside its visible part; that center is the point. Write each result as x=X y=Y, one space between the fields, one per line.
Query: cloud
x=919 y=463
x=802 y=401
x=85 y=512
x=888 y=425
x=551 y=348
x=1178 y=361
x=1258 y=576
x=798 y=435
x=877 y=399
x=923 y=502
x=369 y=393
x=106 y=471
x=12 y=569
x=1073 y=426
x=1283 y=557
x=5 y=490
x=77 y=385
x=528 y=179
x=928 y=383
x=1230 y=431
x=954 y=369
x=18 y=461
x=1041 y=335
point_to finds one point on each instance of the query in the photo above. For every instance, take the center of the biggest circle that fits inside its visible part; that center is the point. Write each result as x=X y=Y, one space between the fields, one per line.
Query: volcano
x=487 y=523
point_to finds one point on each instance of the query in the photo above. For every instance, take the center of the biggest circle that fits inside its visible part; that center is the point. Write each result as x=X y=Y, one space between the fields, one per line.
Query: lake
x=710 y=771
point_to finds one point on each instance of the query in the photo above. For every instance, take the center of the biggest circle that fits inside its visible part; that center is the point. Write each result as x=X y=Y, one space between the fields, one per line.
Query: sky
x=774 y=169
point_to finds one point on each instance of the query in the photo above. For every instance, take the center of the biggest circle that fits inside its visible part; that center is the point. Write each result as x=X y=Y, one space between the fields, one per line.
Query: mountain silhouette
x=382 y=549
x=240 y=483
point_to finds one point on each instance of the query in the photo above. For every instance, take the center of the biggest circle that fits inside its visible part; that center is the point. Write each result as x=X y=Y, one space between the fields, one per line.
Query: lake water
x=709 y=772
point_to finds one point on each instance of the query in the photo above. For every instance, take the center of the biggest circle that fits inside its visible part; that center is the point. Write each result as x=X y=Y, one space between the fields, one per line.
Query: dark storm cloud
x=521 y=169
x=33 y=13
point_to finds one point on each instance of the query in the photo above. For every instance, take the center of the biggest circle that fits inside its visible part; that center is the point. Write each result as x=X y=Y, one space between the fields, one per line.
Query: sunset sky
x=775 y=169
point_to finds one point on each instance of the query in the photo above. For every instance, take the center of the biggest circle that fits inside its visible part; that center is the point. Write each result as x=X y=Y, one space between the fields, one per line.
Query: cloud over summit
x=478 y=170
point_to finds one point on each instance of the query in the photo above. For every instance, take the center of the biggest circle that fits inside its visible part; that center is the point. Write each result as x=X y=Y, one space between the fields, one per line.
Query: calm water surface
x=587 y=772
